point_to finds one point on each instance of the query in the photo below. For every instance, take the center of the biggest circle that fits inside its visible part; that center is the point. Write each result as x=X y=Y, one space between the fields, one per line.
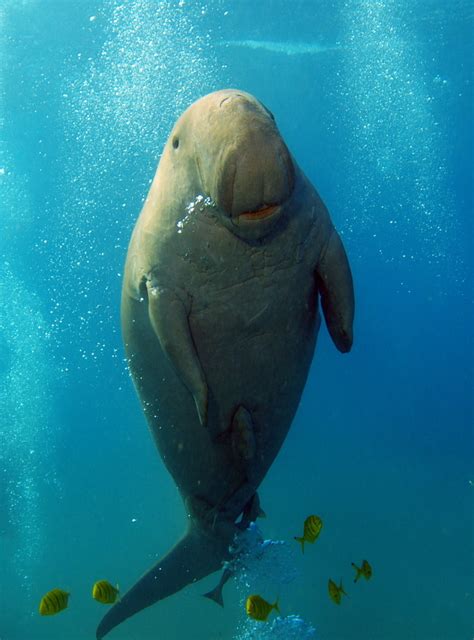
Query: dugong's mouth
x=265 y=211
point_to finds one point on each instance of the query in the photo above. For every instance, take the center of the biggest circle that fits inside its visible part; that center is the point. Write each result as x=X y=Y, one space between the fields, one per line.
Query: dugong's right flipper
x=334 y=281
x=169 y=320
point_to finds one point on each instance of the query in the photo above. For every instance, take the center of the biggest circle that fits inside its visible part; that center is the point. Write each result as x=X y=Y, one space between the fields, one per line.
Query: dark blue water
x=375 y=100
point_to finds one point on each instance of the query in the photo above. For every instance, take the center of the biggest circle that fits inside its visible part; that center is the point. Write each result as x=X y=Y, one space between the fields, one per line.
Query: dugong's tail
x=194 y=557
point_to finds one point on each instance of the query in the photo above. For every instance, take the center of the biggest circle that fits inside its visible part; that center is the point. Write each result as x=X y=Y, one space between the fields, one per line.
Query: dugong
x=226 y=265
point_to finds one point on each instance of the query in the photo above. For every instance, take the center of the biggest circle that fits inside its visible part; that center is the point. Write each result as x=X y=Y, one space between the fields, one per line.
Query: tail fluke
x=194 y=557
x=216 y=595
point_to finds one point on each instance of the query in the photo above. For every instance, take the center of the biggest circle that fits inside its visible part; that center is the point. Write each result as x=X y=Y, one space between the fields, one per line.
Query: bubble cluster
x=26 y=435
x=25 y=424
x=198 y=205
x=154 y=62
x=155 y=59
x=287 y=628
x=398 y=168
x=259 y=563
x=264 y=567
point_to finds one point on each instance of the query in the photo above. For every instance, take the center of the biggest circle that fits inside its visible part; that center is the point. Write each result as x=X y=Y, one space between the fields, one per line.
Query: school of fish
x=256 y=606
x=259 y=609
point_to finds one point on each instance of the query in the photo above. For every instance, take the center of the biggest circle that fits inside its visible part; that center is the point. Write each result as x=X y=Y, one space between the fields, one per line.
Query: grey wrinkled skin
x=220 y=318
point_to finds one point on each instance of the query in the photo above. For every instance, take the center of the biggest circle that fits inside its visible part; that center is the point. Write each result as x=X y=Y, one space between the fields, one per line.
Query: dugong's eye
x=175 y=142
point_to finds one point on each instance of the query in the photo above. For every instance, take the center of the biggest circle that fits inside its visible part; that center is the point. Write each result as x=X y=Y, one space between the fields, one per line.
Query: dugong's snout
x=256 y=177
x=252 y=172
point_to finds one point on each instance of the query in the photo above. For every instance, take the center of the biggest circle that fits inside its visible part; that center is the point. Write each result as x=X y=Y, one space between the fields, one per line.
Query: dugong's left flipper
x=169 y=319
x=334 y=281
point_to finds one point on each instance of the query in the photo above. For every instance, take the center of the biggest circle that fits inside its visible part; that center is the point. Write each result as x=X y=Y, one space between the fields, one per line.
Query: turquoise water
x=374 y=99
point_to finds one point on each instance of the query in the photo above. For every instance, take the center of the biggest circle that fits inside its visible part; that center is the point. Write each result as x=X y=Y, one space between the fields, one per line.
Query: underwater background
x=374 y=98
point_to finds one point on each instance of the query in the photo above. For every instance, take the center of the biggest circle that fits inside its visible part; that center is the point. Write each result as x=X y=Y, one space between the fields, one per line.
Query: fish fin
x=334 y=280
x=261 y=513
x=215 y=595
x=301 y=541
x=195 y=556
x=169 y=319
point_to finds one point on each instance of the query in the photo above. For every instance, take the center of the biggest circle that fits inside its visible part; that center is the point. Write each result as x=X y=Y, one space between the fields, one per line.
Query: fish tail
x=301 y=541
x=195 y=556
x=276 y=606
x=358 y=572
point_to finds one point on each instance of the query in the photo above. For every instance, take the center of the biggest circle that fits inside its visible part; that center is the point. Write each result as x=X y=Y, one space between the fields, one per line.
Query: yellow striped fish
x=104 y=592
x=53 y=602
x=312 y=529
x=336 y=592
x=365 y=570
x=258 y=608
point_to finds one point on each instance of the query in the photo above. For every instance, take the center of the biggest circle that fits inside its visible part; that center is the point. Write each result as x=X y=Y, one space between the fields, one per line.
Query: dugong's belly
x=255 y=339
x=255 y=343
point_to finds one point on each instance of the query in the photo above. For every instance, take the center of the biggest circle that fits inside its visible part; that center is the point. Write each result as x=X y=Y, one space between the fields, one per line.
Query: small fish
x=104 y=592
x=258 y=608
x=53 y=602
x=336 y=592
x=312 y=529
x=365 y=570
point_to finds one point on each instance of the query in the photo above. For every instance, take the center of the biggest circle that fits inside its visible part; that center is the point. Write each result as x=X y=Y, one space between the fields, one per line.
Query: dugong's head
x=238 y=158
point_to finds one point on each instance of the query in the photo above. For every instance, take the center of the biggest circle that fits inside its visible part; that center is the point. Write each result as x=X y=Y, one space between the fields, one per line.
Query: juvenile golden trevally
x=336 y=592
x=258 y=608
x=53 y=602
x=365 y=570
x=312 y=529
x=104 y=592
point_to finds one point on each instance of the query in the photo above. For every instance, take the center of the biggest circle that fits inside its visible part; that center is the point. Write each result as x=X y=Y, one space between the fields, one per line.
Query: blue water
x=375 y=100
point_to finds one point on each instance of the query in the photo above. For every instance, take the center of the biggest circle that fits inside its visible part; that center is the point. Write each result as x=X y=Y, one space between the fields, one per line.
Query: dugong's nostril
x=229 y=97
